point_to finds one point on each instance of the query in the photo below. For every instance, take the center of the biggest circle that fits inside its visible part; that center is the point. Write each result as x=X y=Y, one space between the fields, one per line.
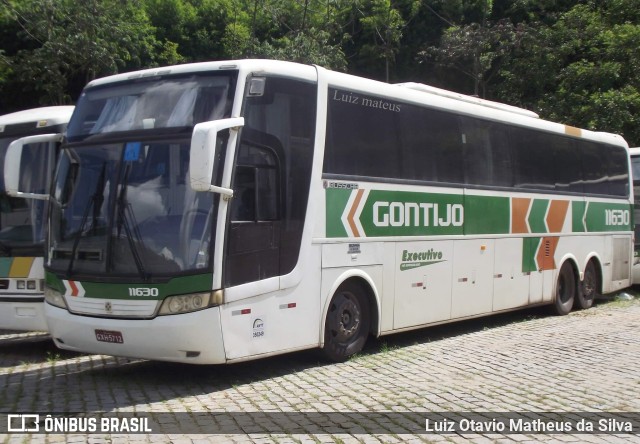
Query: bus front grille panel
x=116 y=308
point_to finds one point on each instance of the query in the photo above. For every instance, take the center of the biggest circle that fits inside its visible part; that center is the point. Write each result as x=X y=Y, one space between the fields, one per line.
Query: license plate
x=111 y=336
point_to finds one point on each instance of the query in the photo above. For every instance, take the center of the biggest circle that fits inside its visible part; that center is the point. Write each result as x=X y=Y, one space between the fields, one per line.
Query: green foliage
x=194 y=28
x=582 y=69
x=477 y=50
x=575 y=61
x=67 y=41
x=312 y=47
x=384 y=24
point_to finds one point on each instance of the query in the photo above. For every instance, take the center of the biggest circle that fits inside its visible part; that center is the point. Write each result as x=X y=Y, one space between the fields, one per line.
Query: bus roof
x=409 y=92
x=247 y=65
x=469 y=99
x=634 y=151
x=43 y=117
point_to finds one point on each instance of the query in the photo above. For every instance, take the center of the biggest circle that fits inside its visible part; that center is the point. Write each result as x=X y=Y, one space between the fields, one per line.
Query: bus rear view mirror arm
x=13 y=164
x=203 y=151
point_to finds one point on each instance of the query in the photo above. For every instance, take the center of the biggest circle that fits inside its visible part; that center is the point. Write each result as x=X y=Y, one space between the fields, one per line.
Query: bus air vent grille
x=115 y=308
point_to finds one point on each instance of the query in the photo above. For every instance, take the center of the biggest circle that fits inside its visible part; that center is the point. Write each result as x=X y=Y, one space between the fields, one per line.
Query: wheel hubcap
x=345 y=319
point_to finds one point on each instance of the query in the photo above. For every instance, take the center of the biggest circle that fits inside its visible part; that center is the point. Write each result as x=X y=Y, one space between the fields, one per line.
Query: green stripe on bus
x=530 y=247
x=601 y=216
x=486 y=215
x=537 y=215
x=402 y=213
x=577 y=213
x=381 y=213
x=336 y=202
x=180 y=285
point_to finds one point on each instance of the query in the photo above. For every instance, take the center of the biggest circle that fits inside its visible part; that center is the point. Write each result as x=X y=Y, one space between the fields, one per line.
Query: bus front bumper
x=22 y=312
x=194 y=338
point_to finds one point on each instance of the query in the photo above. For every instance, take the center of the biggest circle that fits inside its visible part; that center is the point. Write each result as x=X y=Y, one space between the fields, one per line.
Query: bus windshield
x=635 y=173
x=127 y=209
x=635 y=167
x=21 y=220
x=170 y=102
x=121 y=204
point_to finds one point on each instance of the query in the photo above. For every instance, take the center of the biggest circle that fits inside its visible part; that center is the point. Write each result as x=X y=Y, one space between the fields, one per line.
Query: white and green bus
x=227 y=211
x=22 y=220
x=634 y=154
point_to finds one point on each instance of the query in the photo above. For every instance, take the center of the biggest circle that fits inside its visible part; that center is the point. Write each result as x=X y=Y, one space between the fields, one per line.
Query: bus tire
x=347 y=323
x=588 y=289
x=565 y=290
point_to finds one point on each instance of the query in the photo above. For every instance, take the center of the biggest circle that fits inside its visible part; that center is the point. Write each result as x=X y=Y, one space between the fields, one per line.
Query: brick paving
x=588 y=361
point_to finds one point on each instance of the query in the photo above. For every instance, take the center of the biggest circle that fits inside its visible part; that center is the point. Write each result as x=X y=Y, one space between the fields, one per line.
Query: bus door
x=22 y=218
x=266 y=217
x=271 y=180
x=254 y=229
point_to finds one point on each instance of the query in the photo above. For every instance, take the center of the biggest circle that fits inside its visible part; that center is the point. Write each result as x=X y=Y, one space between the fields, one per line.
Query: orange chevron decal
x=547 y=252
x=519 y=210
x=74 y=288
x=556 y=215
x=352 y=213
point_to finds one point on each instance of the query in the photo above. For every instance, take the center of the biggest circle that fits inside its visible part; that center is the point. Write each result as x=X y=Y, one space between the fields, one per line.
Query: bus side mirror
x=14 y=169
x=203 y=150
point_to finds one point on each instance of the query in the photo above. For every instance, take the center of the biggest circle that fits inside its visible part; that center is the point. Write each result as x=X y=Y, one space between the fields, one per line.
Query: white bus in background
x=22 y=218
x=227 y=211
x=635 y=174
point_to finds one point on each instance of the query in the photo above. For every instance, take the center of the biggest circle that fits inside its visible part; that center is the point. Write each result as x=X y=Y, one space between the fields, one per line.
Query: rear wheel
x=588 y=289
x=565 y=290
x=347 y=324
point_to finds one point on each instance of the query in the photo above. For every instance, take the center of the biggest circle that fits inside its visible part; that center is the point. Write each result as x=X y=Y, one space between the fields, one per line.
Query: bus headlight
x=54 y=297
x=185 y=303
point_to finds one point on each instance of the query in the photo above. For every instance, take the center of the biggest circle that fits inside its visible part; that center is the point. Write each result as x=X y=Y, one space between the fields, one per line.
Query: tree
x=375 y=31
x=305 y=31
x=575 y=61
x=582 y=69
x=199 y=30
x=13 y=95
x=476 y=49
x=67 y=43
x=312 y=47
x=384 y=23
x=597 y=86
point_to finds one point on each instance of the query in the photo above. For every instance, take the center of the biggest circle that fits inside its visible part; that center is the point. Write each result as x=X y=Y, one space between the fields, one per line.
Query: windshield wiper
x=97 y=197
x=123 y=221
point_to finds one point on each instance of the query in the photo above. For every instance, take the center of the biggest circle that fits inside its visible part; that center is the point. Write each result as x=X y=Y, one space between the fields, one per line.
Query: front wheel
x=565 y=290
x=347 y=324
x=588 y=289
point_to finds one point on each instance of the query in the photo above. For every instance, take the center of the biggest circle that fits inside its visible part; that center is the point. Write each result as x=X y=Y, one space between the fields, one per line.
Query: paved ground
x=523 y=362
